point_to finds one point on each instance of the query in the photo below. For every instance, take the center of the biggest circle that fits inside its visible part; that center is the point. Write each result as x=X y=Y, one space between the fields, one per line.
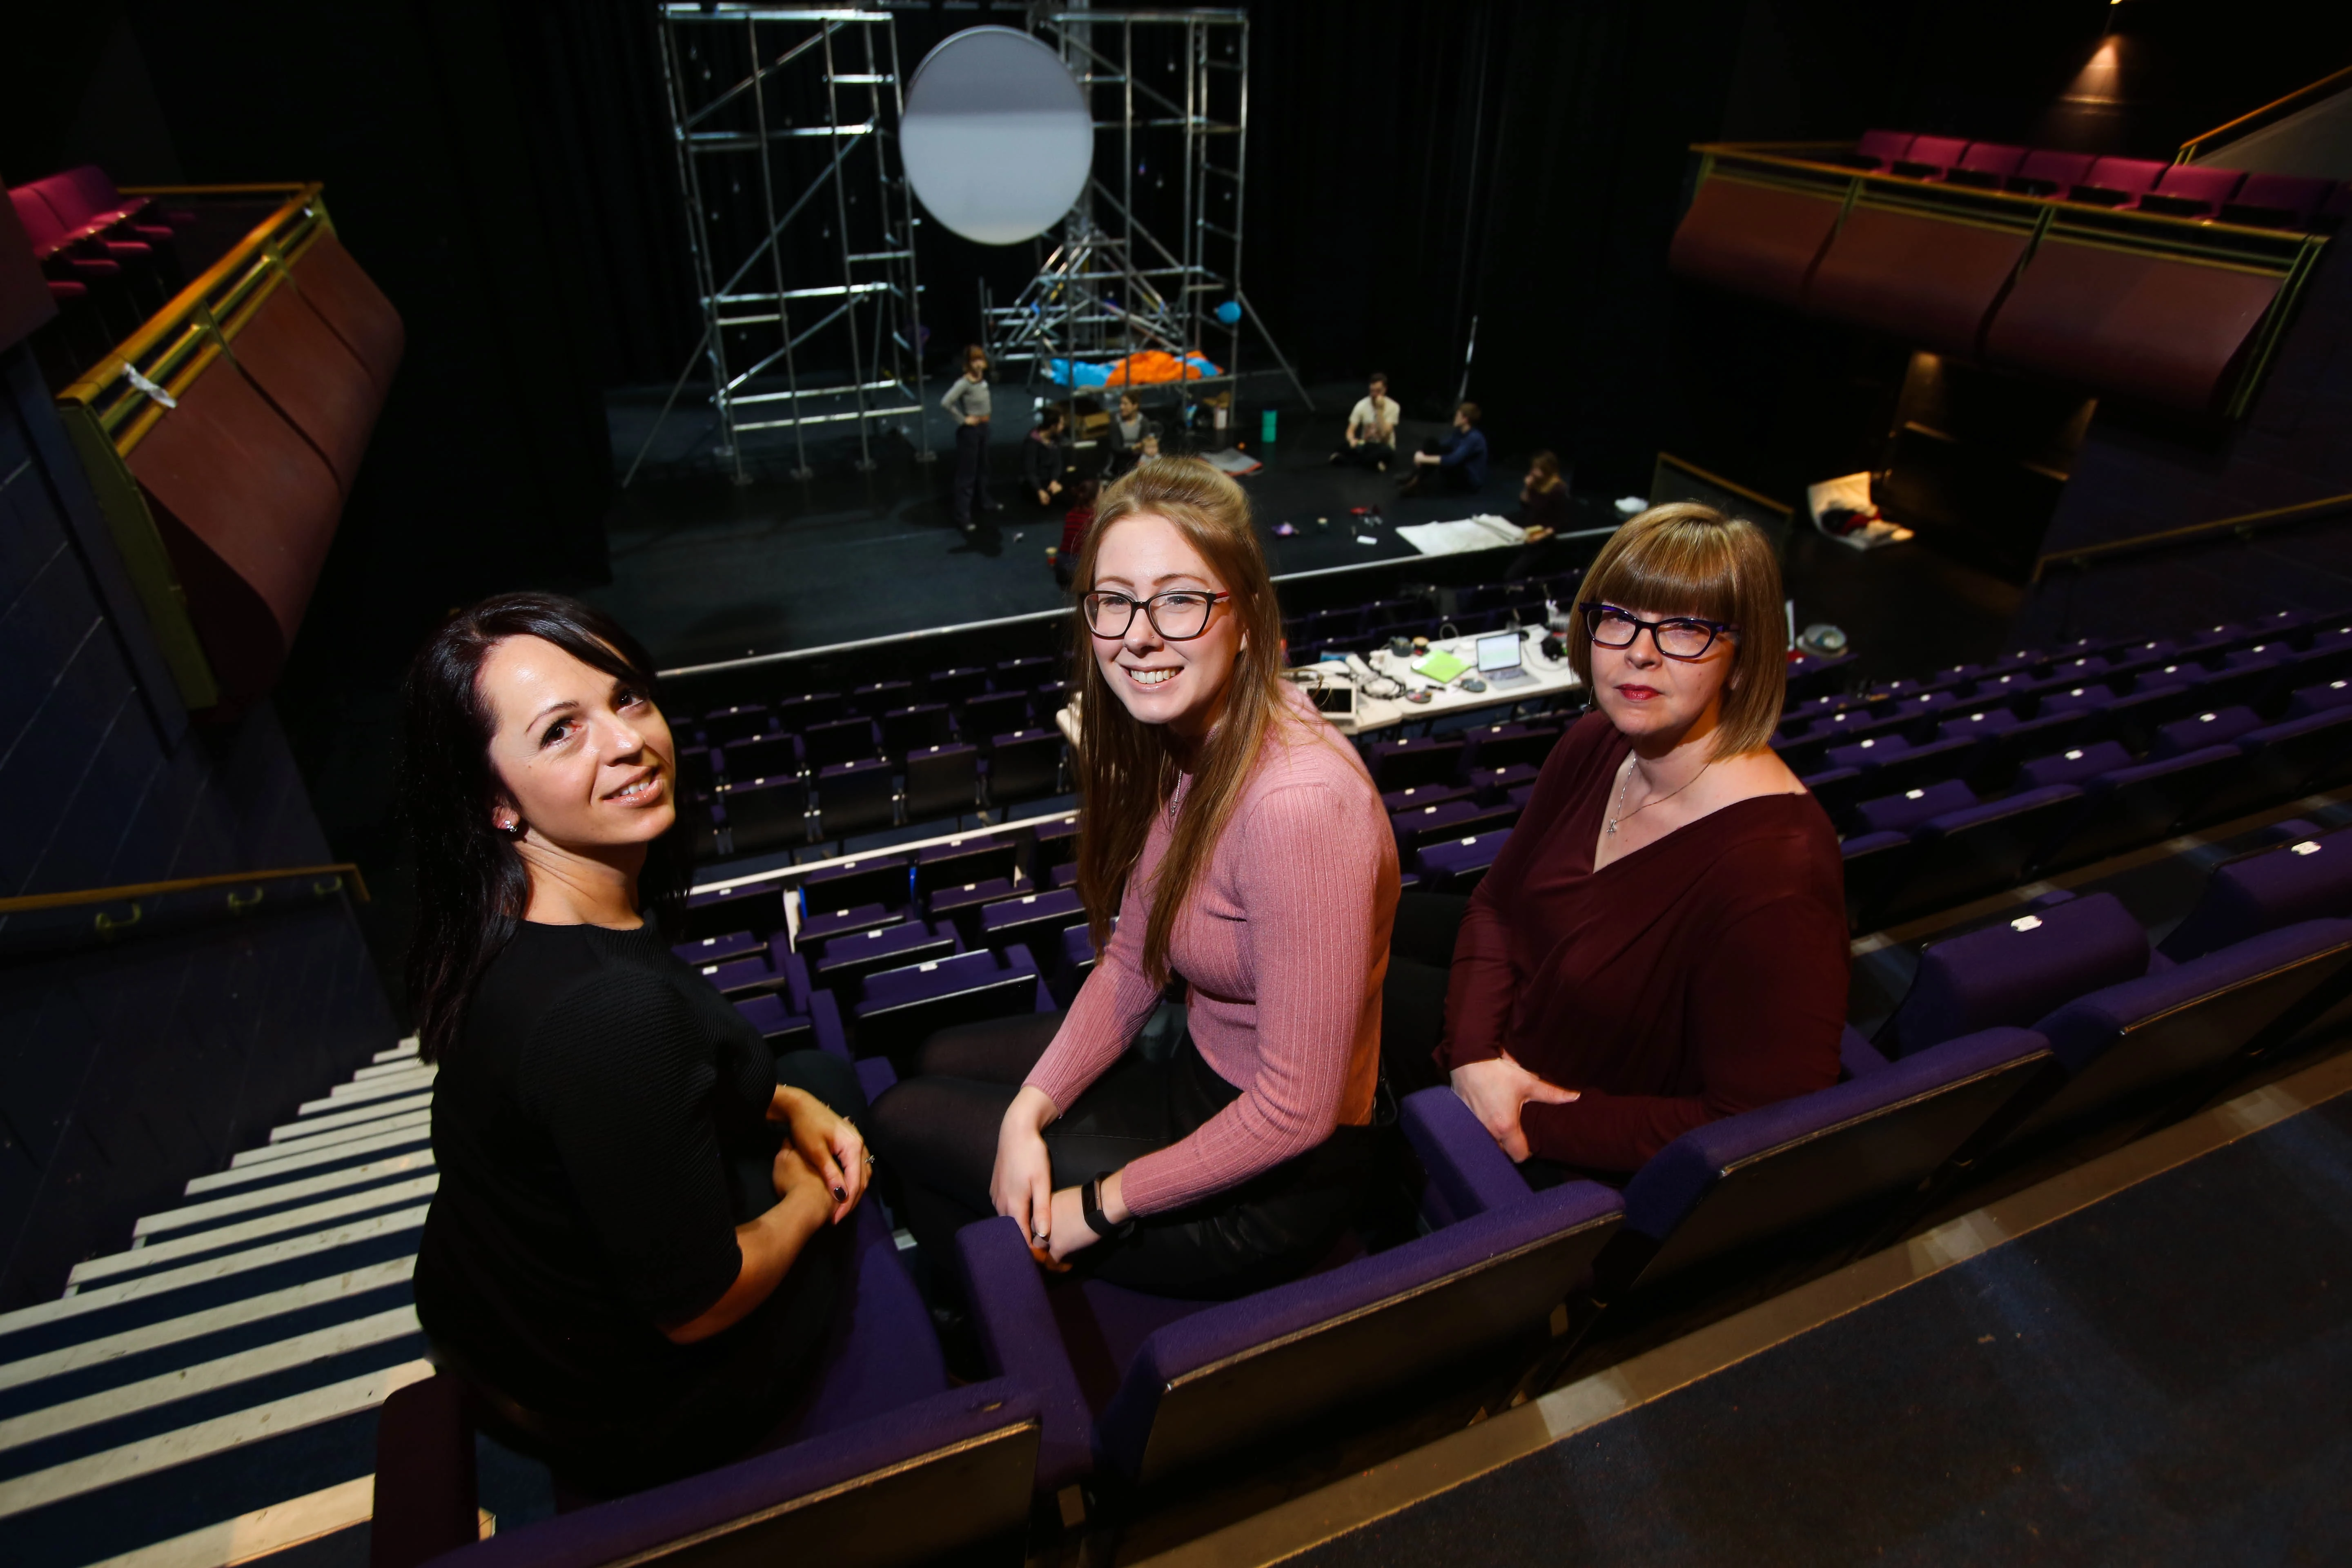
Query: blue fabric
x=628 y=1526
x=2307 y=879
x=2009 y=976
x=1663 y=1192
x=1229 y=1328
x=1467 y=452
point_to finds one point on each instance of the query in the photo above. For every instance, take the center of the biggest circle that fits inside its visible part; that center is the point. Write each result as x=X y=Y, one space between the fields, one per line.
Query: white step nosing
x=273 y=1163
x=312 y=1125
x=212 y=1268
x=263 y=1532
x=308 y=1217
x=344 y=1095
x=165 y=1450
x=207 y=1377
x=319 y=1292
x=406 y=1047
x=261 y=1197
x=374 y=1070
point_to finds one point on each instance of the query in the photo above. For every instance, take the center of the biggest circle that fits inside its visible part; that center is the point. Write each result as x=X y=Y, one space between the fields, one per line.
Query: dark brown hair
x=1470 y=411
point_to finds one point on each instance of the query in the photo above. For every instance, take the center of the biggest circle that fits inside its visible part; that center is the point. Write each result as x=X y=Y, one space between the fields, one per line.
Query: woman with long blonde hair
x=1228 y=839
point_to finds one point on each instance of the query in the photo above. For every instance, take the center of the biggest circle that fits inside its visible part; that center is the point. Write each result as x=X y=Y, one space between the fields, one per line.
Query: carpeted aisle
x=2162 y=1378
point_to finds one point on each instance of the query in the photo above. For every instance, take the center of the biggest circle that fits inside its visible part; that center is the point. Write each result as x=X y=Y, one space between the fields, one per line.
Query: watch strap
x=1091 y=1210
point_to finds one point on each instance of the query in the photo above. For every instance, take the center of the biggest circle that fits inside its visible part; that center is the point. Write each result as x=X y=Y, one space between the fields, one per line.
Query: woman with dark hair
x=1042 y=459
x=1241 y=847
x=1663 y=941
x=632 y=1254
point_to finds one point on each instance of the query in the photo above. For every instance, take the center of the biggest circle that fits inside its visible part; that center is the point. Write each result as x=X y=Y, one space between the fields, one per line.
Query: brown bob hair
x=1688 y=559
x=1126 y=770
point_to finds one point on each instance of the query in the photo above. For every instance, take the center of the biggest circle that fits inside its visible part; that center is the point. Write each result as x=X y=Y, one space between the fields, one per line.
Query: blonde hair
x=1127 y=769
x=1688 y=559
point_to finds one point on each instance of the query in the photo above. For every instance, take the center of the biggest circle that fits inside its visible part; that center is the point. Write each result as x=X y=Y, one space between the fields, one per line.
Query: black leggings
x=936 y=1132
x=1413 y=998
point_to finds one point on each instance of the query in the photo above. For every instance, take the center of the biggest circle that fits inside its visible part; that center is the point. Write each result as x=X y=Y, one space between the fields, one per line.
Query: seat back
x=1999 y=160
x=758 y=756
x=947 y=1477
x=1032 y=918
x=856 y=796
x=876 y=879
x=2308 y=878
x=1885 y=146
x=2047 y=166
x=2008 y=975
x=942 y=780
x=1400 y=764
x=1241 y=1372
x=2146 y=1034
x=2198 y=183
x=758 y=908
x=1746 y=1178
x=2131 y=176
x=842 y=740
x=1024 y=764
x=766 y=813
x=962 y=860
x=906 y=730
x=903 y=1007
x=853 y=957
x=1936 y=153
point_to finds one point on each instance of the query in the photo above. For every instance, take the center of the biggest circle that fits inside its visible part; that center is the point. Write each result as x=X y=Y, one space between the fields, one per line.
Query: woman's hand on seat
x=829 y=1143
x=1021 y=1185
x=1496 y=1091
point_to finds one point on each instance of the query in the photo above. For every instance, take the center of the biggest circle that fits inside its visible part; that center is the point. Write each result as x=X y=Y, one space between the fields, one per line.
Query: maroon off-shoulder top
x=1696 y=977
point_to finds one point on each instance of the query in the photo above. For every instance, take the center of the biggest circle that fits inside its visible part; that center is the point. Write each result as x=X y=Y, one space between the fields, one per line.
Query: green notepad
x=1440 y=666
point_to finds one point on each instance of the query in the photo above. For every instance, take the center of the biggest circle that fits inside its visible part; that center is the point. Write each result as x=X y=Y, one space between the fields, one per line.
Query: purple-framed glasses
x=1677 y=637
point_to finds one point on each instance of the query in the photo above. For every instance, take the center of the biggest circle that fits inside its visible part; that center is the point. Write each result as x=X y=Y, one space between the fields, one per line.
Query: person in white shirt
x=1371 y=428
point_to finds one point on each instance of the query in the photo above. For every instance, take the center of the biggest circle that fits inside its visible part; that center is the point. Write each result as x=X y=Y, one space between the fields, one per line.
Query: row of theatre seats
x=826 y=765
x=1981 y=777
x=109 y=259
x=2135 y=184
x=2011 y=1037
x=1482 y=608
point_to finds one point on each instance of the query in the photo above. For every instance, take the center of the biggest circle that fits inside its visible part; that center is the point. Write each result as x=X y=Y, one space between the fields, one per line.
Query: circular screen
x=996 y=136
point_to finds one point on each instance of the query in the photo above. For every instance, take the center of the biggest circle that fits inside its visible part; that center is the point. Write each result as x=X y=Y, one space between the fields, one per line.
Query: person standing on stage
x=1041 y=458
x=1460 y=464
x=1371 y=428
x=966 y=401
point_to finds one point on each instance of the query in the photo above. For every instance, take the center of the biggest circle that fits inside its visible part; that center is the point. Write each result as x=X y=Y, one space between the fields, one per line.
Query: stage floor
x=704 y=569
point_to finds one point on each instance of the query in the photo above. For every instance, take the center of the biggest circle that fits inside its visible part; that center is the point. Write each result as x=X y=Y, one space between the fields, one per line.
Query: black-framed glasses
x=1179 y=615
x=1676 y=636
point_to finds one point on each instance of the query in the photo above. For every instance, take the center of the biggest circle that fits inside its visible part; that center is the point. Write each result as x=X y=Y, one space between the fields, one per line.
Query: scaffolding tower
x=800 y=222
x=1154 y=244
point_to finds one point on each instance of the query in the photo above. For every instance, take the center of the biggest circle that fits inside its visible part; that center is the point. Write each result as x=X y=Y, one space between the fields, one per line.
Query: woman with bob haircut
x=1244 y=850
x=634 y=1252
x=1662 y=943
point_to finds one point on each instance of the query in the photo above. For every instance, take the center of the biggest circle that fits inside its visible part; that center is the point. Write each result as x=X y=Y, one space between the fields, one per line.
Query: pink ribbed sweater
x=1284 y=942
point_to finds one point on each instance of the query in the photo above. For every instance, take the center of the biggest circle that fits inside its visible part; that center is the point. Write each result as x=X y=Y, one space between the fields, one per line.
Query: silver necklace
x=1622 y=814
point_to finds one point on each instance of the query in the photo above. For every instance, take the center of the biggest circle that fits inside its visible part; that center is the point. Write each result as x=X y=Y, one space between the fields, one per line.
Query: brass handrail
x=2245 y=522
x=2190 y=148
x=182 y=885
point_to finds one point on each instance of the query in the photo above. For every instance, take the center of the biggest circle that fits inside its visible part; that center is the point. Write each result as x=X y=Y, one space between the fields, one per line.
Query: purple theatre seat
x=758 y=756
x=1878 y=149
x=1496 y=784
x=991 y=713
x=840 y=742
x=975 y=857
x=784 y=1029
x=1033 y=919
x=2293 y=757
x=1459 y=865
x=2279 y=201
x=2076 y=765
x=955 y=686
x=1024 y=764
x=720 y=948
x=1835 y=789
x=964 y=903
x=1057 y=841
x=1189 y=1380
x=941 y=782
x=1457 y=819
x=765 y=814
x=903 y=1007
x=742 y=976
x=2138 y=1040
x=1875 y=866
x=1063 y=876
x=857 y=797
x=885 y=879
x=1501 y=745
x=806 y=710
x=2008 y=975
x=2307 y=878
x=824 y=928
x=1977 y=849
x=744 y=722
x=2213 y=727
x=1400 y=800
x=1907 y=811
x=1928 y=157
x=1986 y=164
x=2191 y=190
x=2129 y=807
x=1743 y=1180
x=1024 y=674
x=758 y=908
x=1416 y=760
x=887 y=1464
x=1810 y=676
x=847 y=959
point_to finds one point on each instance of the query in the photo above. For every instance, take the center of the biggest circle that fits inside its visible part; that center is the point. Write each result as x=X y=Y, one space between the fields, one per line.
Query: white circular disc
x=996 y=136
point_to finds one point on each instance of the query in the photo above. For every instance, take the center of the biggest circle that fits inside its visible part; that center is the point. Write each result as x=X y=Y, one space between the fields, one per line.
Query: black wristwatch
x=1091 y=1210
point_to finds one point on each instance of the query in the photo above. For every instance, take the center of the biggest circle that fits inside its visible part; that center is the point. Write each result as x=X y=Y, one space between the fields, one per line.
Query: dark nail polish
x=840 y=1194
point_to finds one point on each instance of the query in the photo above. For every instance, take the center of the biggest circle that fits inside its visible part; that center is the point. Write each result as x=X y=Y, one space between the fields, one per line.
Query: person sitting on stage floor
x=1459 y=462
x=1083 y=492
x=639 y=1236
x=1371 y=436
x=1240 y=843
x=1543 y=499
x=968 y=401
x=1130 y=432
x=1043 y=458
x=1663 y=941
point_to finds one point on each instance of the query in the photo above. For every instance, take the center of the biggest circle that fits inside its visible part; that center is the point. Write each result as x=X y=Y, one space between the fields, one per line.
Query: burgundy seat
x=2279 y=201
x=2047 y=173
x=2187 y=191
x=1986 y=163
x=1880 y=149
x=2117 y=182
x=1929 y=156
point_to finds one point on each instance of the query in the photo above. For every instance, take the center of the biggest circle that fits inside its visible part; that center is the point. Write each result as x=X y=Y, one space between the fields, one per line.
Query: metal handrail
x=2243 y=523
x=136 y=890
x=2196 y=144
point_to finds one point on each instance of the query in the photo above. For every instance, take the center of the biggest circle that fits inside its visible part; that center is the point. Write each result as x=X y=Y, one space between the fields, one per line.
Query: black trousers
x=971 y=474
x=936 y=1132
x=1366 y=455
x=733 y=1388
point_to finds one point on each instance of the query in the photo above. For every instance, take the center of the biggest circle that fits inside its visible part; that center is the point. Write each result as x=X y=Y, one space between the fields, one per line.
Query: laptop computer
x=1499 y=658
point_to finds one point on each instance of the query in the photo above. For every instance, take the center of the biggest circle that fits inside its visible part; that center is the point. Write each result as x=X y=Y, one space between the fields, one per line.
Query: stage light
x=996 y=136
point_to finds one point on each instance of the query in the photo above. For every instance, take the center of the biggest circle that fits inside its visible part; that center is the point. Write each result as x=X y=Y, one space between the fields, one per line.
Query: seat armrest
x=1471 y=1173
x=876 y=1076
x=1857 y=1055
x=824 y=1022
x=1021 y=1342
